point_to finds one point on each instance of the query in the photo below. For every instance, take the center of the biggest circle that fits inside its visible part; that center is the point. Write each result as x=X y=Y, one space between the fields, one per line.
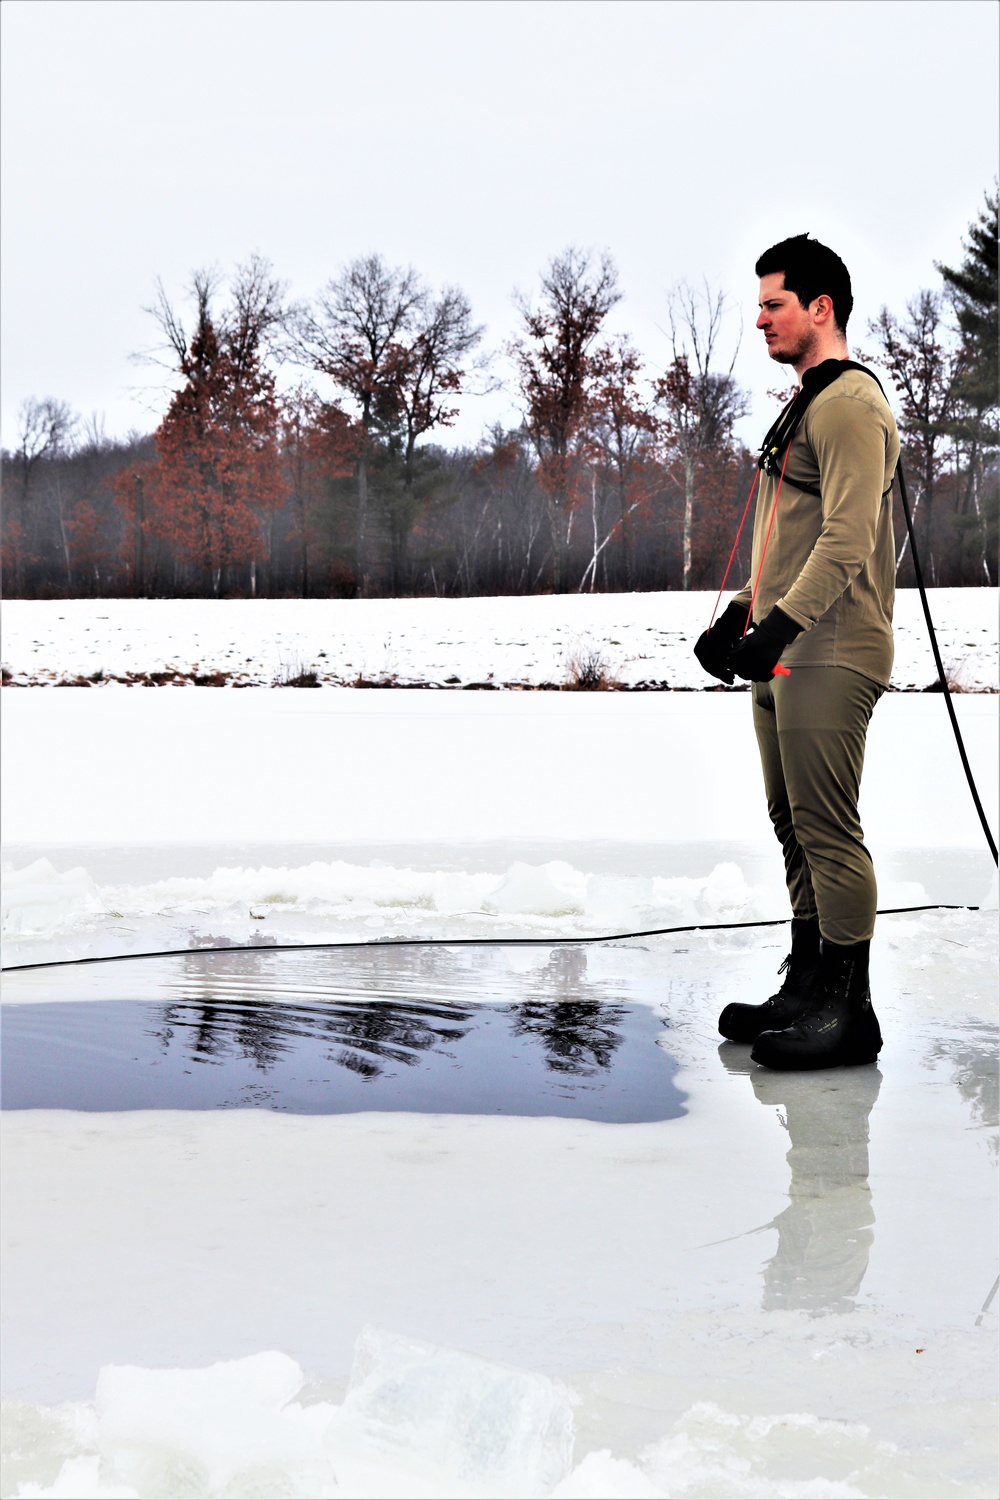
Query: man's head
x=805 y=301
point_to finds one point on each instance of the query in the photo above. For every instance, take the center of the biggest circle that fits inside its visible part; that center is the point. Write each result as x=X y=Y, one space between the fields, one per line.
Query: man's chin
x=781 y=356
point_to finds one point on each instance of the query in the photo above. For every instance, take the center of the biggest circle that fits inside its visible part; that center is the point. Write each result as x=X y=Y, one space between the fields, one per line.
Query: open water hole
x=428 y=1029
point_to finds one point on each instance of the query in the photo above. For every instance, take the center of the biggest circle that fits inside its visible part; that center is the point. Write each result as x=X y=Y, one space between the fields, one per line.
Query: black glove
x=714 y=647
x=759 y=652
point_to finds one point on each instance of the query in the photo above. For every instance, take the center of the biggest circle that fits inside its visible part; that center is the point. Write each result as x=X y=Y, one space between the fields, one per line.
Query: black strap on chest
x=781 y=433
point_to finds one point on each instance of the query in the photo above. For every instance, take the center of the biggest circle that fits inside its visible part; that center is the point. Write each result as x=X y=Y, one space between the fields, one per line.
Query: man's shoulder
x=840 y=400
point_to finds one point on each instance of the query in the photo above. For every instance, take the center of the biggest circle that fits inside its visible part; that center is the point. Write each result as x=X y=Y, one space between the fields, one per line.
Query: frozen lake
x=788 y=1244
x=766 y=1285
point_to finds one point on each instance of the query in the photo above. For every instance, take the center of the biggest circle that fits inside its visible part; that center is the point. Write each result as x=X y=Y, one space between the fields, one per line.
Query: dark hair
x=811 y=269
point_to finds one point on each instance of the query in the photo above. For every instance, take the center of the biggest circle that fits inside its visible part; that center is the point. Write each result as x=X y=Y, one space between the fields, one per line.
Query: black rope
x=918 y=574
x=453 y=942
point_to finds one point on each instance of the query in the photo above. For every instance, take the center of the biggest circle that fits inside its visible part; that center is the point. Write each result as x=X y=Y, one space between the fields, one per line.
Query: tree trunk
x=688 y=521
x=558 y=546
x=360 y=574
x=140 y=559
x=927 y=537
x=62 y=535
x=401 y=520
x=397 y=543
x=626 y=538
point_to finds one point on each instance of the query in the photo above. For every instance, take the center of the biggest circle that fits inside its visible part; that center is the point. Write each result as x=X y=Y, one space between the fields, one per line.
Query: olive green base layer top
x=811 y=729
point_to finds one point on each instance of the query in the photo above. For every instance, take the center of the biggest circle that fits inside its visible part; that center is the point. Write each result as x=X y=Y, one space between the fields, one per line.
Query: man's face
x=787 y=326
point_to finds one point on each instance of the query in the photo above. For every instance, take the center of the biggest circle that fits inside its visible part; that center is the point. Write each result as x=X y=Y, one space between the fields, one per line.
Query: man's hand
x=758 y=653
x=714 y=647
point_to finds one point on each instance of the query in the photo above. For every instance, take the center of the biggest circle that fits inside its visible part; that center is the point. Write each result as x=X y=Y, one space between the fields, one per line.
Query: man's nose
x=763 y=320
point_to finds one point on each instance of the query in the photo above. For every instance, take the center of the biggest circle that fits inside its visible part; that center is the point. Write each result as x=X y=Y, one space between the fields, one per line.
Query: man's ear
x=821 y=308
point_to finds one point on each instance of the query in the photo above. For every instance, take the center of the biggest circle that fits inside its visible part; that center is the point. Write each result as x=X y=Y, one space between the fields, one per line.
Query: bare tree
x=555 y=359
x=253 y=322
x=500 y=553
x=924 y=365
x=350 y=334
x=623 y=433
x=702 y=403
x=45 y=429
x=424 y=376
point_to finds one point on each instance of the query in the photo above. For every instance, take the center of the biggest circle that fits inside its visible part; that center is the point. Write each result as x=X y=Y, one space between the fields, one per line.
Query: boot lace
x=796 y=977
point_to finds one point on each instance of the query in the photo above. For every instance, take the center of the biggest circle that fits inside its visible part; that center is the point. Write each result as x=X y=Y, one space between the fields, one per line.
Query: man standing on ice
x=818 y=608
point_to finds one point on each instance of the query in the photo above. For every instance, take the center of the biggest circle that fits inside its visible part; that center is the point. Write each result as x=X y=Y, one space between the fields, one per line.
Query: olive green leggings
x=811 y=729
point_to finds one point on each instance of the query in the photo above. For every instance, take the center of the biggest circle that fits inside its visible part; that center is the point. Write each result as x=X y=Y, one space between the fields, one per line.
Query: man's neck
x=833 y=348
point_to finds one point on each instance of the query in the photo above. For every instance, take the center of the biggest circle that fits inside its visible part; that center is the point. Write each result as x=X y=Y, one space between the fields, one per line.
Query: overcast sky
x=472 y=139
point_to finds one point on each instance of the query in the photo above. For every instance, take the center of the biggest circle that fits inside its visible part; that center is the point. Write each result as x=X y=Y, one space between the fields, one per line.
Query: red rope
x=732 y=554
x=767 y=538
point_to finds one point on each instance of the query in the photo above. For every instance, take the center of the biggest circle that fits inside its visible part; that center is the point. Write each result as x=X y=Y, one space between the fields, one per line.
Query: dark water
x=266 y=1041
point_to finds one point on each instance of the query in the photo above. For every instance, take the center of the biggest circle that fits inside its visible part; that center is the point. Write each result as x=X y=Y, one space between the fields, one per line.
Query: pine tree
x=974 y=292
x=973 y=288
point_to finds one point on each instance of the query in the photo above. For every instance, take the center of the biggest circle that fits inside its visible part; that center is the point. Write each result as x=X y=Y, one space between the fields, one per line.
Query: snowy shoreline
x=643 y=641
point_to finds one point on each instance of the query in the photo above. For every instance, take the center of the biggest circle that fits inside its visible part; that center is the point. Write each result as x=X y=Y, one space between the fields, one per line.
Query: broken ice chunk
x=40 y=901
x=452 y=1418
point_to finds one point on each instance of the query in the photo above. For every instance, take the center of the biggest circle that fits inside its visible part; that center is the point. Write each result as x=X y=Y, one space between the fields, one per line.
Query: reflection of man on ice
x=819 y=604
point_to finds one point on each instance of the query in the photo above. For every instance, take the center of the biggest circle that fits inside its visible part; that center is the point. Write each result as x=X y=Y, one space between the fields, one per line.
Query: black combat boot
x=839 y=1029
x=744 y=1023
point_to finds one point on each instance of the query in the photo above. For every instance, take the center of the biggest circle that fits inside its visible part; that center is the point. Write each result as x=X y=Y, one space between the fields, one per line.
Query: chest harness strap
x=774 y=453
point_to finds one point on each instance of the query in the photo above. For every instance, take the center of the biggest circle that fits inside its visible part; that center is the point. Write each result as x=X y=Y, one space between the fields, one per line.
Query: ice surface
x=337 y=766
x=779 y=1293
x=690 y=806
x=453 y=1419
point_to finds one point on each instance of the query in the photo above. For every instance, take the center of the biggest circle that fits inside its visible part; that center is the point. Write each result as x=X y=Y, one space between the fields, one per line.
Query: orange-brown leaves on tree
x=320 y=444
x=218 y=478
x=558 y=367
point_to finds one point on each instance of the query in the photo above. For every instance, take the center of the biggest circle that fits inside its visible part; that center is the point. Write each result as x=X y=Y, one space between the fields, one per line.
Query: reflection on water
x=579 y=1036
x=973 y=1056
x=421 y=1030
x=364 y=1037
x=826 y=1233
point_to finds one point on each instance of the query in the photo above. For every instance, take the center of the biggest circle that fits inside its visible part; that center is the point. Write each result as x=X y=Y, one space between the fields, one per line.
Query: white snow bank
x=418 y=1420
x=38 y=901
x=326 y=899
x=642 y=637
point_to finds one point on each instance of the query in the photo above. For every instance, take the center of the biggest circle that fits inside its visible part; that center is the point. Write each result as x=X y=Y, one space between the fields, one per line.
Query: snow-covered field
x=779 y=1293
x=644 y=639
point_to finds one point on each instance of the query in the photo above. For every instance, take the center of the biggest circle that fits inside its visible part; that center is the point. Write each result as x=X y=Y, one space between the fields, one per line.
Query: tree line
x=341 y=482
